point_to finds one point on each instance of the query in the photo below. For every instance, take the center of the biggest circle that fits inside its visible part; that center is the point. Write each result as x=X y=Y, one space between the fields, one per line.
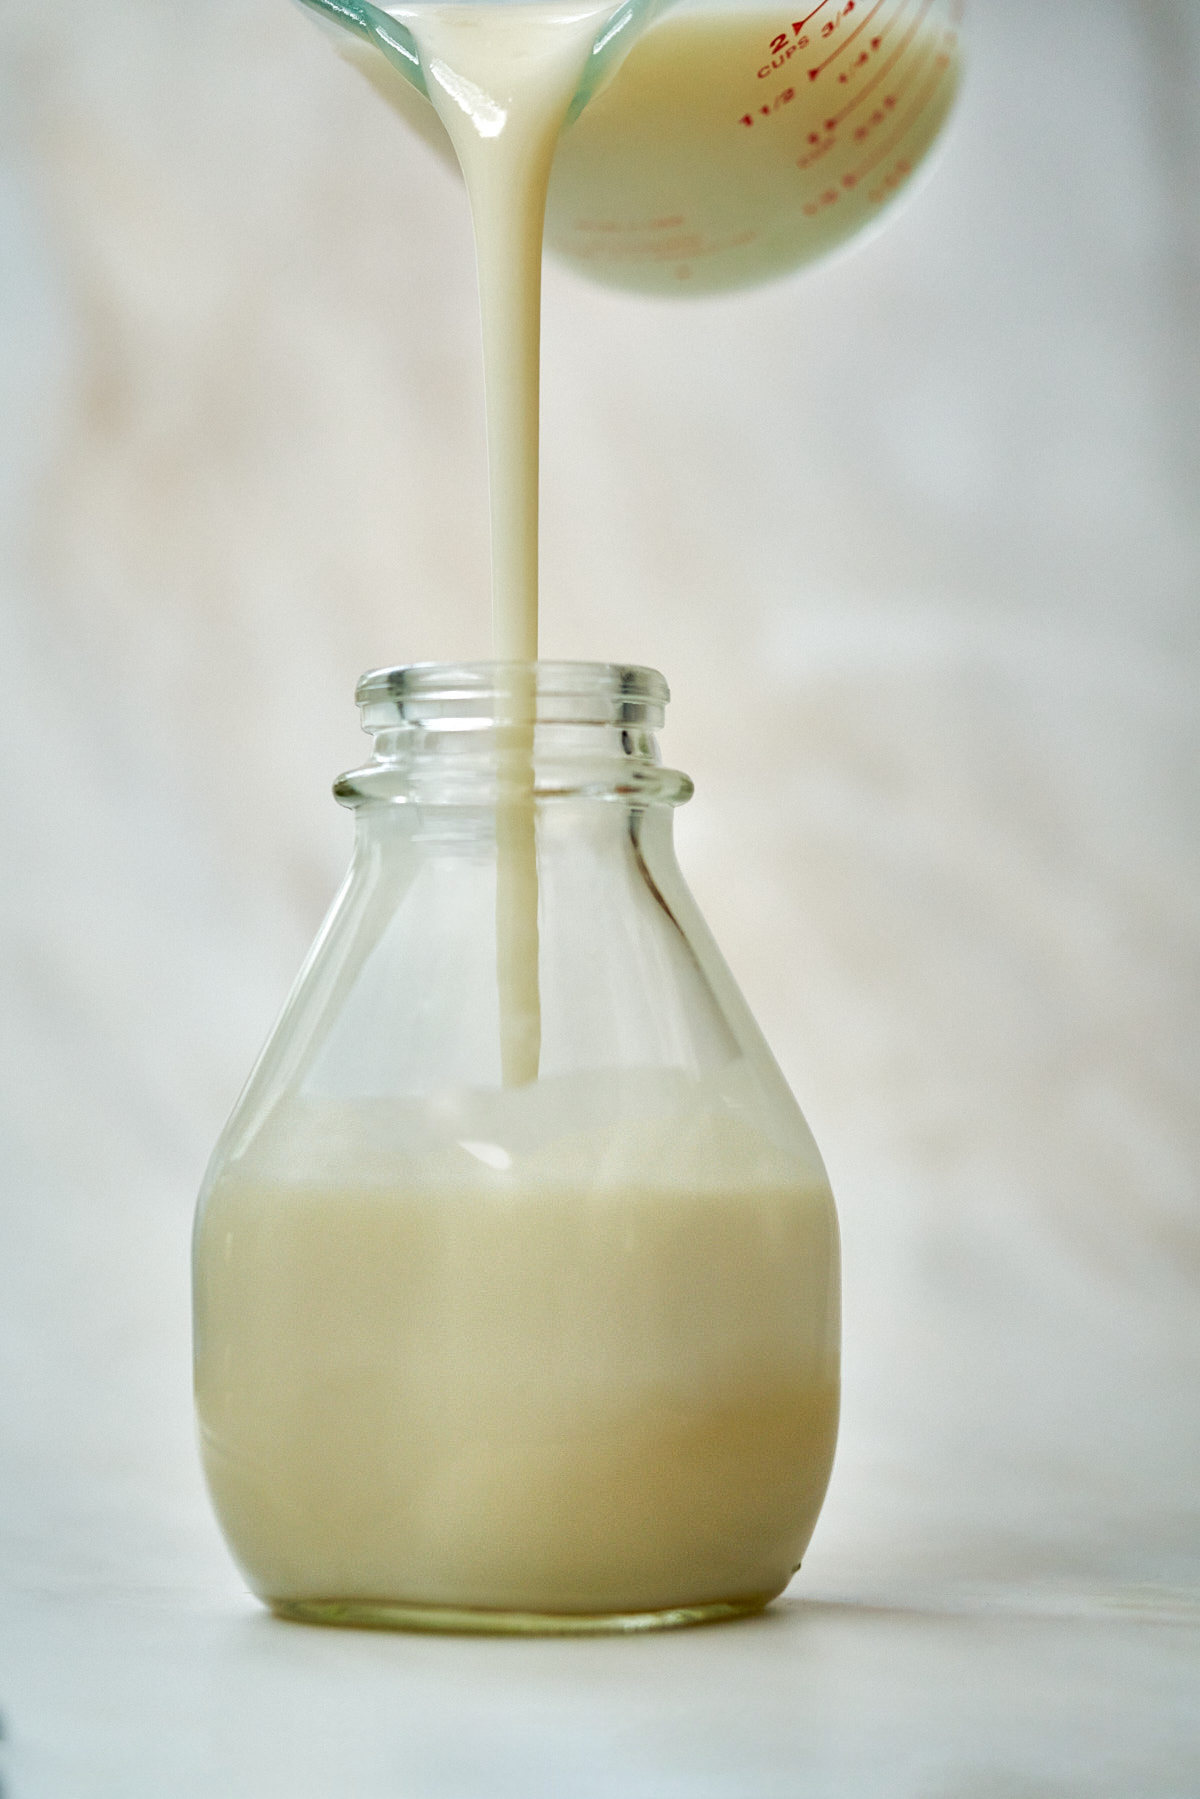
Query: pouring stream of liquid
x=502 y=78
x=735 y=149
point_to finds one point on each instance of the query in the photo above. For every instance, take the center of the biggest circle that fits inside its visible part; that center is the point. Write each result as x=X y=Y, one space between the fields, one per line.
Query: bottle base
x=384 y=1614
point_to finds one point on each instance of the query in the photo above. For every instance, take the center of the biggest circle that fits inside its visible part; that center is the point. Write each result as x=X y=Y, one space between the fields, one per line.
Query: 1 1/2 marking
x=782 y=99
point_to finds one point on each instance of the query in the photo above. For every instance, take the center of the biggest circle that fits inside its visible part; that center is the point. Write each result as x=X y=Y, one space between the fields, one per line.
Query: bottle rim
x=548 y=693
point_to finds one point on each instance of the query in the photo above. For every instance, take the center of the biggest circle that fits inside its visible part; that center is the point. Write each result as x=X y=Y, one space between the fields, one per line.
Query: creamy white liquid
x=735 y=143
x=501 y=78
x=595 y=1374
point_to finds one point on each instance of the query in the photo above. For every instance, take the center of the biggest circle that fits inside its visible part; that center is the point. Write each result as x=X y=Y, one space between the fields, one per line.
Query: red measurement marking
x=831 y=25
x=877 y=118
x=627 y=225
x=885 y=70
x=789 y=93
x=830 y=197
x=780 y=49
x=941 y=64
x=823 y=146
x=845 y=43
x=860 y=61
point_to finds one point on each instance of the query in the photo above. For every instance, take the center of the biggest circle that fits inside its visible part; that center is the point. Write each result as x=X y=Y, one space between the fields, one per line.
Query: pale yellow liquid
x=730 y=147
x=714 y=158
x=501 y=79
x=602 y=1379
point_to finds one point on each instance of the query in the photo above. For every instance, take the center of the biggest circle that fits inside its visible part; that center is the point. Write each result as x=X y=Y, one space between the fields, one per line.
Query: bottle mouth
x=481 y=694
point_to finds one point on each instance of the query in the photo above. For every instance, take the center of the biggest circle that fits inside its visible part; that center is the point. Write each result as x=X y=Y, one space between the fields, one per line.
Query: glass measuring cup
x=715 y=143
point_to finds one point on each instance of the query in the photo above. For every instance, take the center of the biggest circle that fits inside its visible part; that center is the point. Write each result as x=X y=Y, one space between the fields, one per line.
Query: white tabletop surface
x=120 y=1692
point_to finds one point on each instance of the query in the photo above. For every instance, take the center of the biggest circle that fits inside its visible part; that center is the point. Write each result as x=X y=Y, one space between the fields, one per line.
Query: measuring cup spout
x=388 y=35
x=376 y=27
x=612 y=43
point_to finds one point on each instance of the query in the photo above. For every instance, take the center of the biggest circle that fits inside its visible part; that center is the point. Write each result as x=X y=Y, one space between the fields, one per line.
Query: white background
x=916 y=539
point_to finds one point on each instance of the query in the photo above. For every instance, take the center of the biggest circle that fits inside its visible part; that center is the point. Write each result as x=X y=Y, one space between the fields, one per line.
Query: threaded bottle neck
x=460 y=733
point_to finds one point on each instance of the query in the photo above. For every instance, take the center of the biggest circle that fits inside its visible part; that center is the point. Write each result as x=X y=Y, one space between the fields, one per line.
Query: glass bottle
x=516 y=1267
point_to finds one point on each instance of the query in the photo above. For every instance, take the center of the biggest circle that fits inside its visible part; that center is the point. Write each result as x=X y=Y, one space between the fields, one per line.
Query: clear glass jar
x=516 y=1267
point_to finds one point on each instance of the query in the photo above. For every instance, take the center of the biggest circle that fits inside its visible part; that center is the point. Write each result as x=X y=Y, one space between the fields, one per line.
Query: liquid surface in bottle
x=590 y=1372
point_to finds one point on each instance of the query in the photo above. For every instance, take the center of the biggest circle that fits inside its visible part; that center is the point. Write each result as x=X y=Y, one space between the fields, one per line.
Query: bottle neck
x=481 y=733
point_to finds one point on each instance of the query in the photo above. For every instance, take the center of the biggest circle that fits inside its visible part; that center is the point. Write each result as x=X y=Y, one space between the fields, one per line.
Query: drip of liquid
x=501 y=79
